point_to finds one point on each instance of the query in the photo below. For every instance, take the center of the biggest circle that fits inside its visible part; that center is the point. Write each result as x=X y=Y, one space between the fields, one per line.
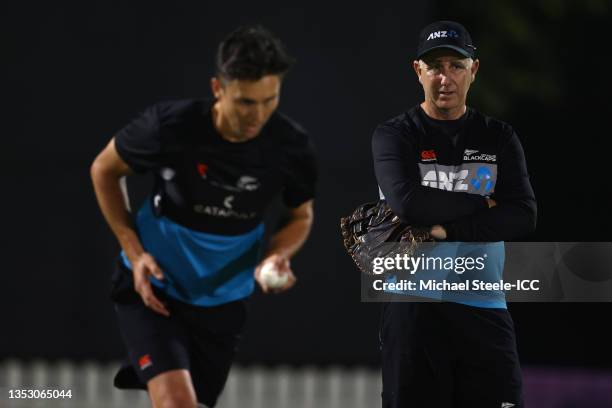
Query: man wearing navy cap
x=462 y=174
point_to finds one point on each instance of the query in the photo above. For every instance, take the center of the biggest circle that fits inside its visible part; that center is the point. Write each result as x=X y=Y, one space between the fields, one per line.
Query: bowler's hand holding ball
x=274 y=274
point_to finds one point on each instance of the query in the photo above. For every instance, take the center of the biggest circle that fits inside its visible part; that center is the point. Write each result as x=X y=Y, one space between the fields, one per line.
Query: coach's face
x=446 y=77
x=243 y=106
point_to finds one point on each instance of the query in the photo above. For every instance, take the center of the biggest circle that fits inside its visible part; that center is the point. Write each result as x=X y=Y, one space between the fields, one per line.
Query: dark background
x=75 y=74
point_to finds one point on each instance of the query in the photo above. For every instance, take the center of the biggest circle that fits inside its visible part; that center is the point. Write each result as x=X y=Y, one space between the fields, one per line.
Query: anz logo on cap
x=443 y=34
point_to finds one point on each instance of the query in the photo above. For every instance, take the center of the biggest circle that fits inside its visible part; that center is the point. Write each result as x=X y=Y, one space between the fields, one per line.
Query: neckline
x=208 y=117
x=444 y=121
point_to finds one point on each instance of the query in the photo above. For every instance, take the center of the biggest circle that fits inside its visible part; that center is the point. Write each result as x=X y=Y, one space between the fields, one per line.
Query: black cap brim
x=452 y=47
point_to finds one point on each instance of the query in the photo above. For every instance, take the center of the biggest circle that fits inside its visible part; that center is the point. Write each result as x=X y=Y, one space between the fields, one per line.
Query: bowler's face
x=247 y=105
x=446 y=77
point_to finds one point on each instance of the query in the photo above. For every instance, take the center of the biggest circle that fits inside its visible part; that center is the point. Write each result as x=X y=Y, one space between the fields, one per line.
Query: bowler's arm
x=285 y=243
x=288 y=240
x=106 y=172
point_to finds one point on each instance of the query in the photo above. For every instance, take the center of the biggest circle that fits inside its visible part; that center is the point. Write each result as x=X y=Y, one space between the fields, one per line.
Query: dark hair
x=251 y=52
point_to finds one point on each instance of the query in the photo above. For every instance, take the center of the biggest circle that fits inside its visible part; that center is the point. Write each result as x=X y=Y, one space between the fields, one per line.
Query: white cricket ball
x=271 y=276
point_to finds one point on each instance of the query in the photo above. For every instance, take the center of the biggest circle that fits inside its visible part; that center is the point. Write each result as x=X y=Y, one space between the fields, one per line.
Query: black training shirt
x=207 y=183
x=431 y=172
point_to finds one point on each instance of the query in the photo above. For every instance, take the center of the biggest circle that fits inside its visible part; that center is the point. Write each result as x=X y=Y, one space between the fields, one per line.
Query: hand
x=491 y=202
x=142 y=268
x=438 y=232
x=282 y=264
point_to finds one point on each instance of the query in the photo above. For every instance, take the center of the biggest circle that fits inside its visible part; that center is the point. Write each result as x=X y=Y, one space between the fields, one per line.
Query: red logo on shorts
x=202 y=169
x=428 y=155
x=145 y=361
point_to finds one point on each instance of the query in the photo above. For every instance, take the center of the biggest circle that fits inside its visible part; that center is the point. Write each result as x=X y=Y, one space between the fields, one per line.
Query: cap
x=445 y=34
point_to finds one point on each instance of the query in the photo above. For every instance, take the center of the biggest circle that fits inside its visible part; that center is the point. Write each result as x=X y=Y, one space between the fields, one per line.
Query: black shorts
x=448 y=355
x=199 y=339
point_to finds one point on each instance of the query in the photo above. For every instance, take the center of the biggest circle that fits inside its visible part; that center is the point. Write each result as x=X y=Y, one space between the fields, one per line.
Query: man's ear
x=216 y=87
x=475 y=66
x=417 y=69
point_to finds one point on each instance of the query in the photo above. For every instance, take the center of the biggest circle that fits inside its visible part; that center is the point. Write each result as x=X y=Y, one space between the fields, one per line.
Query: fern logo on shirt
x=475 y=155
x=248 y=183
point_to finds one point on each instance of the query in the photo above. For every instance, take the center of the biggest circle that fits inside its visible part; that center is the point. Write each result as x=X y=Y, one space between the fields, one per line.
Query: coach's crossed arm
x=399 y=179
x=514 y=215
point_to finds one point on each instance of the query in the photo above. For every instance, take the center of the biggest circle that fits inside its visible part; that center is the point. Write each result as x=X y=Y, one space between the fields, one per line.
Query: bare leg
x=172 y=389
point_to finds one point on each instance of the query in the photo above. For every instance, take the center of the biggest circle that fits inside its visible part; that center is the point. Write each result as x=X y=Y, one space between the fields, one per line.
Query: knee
x=176 y=399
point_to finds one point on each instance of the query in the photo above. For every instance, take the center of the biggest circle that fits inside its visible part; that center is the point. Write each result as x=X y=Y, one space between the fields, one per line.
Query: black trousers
x=443 y=355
